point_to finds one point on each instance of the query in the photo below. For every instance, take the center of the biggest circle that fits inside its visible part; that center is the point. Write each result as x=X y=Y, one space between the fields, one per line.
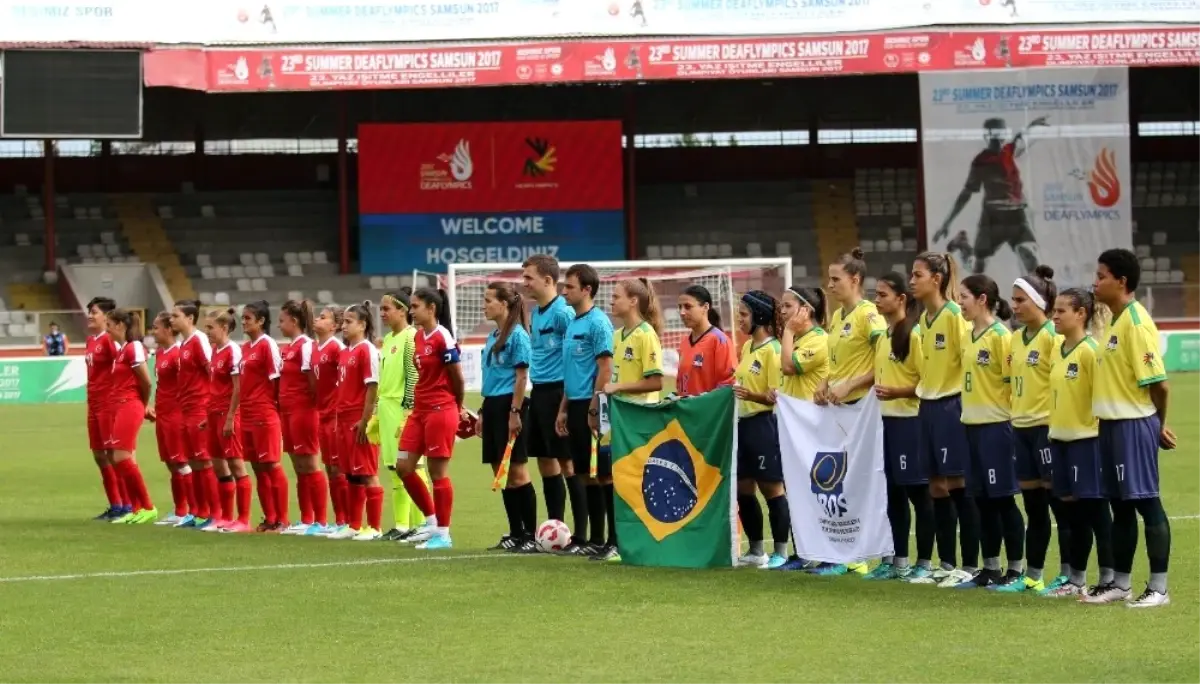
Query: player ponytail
x=190 y=308
x=704 y=298
x=764 y=312
x=132 y=320
x=402 y=299
x=647 y=301
x=1041 y=284
x=1095 y=316
x=980 y=285
x=814 y=298
x=902 y=331
x=363 y=313
x=440 y=303
x=164 y=319
x=516 y=313
x=853 y=265
x=261 y=311
x=301 y=310
x=942 y=265
x=226 y=319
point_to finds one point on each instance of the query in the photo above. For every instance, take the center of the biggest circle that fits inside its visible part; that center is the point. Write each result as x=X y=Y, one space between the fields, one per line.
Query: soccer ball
x=553 y=535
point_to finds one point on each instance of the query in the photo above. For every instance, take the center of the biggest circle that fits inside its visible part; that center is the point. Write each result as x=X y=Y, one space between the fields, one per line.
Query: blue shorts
x=758 y=448
x=943 y=437
x=992 y=472
x=1077 y=468
x=1129 y=457
x=902 y=462
x=1034 y=457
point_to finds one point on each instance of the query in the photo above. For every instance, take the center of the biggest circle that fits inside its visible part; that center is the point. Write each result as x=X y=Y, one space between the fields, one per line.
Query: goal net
x=726 y=279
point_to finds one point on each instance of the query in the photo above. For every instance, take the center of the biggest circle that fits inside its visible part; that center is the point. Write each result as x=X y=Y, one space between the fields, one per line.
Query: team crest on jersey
x=187 y=355
x=756 y=367
x=428 y=349
x=1112 y=343
x=846 y=329
x=1072 y=371
x=892 y=357
x=1148 y=358
x=628 y=353
x=939 y=341
x=653 y=356
x=698 y=361
x=394 y=348
x=1033 y=358
x=983 y=358
x=808 y=353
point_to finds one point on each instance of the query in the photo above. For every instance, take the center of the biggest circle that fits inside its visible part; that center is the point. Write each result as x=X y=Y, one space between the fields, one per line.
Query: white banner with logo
x=1027 y=167
x=836 y=489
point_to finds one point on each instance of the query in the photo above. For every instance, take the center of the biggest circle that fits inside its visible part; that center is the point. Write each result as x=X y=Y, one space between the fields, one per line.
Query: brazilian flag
x=672 y=472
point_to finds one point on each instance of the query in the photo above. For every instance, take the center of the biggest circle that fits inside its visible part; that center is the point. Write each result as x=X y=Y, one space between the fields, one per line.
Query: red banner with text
x=333 y=68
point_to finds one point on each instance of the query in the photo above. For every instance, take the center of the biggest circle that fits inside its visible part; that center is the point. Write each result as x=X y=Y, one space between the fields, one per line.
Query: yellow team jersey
x=891 y=372
x=852 y=336
x=941 y=352
x=1072 y=379
x=1032 y=355
x=637 y=354
x=811 y=358
x=758 y=370
x=986 y=376
x=1129 y=363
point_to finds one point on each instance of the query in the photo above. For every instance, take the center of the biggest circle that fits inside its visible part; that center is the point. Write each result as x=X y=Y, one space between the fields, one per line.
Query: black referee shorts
x=494 y=414
x=580 y=440
x=542 y=440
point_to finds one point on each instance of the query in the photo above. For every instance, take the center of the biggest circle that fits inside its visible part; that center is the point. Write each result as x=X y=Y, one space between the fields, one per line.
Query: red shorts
x=327 y=433
x=126 y=421
x=261 y=440
x=220 y=445
x=430 y=433
x=172 y=446
x=195 y=438
x=301 y=432
x=98 y=428
x=356 y=458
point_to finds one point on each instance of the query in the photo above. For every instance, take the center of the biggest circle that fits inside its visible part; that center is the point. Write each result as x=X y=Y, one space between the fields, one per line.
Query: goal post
x=726 y=279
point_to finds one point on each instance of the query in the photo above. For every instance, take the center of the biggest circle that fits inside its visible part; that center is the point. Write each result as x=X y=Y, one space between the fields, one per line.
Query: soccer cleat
x=420 y=535
x=607 y=553
x=753 y=560
x=343 y=532
x=108 y=514
x=171 y=520
x=857 y=568
x=144 y=517
x=954 y=578
x=236 y=527
x=527 y=545
x=437 y=542
x=1105 y=593
x=123 y=519
x=506 y=543
x=1150 y=599
x=206 y=524
x=1065 y=590
x=315 y=530
x=264 y=526
x=1014 y=584
x=188 y=520
x=775 y=561
x=984 y=579
x=297 y=529
x=938 y=574
x=883 y=571
x=793 y=564
x=830 y=570
x=367 y=534
x=920 y=575
x=1058 y=582
x=395 y=534
x=575 y=549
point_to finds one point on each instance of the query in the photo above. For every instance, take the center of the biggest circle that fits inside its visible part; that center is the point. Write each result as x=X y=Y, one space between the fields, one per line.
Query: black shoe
x=395 y=534
x=986 y=578
x=607 y=552
x=506 y=542
x=576 y=549
x=527 y=545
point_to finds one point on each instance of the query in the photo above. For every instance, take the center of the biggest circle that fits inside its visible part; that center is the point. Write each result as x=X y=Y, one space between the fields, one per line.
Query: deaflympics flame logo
x=1103 y=182
x=460 y=163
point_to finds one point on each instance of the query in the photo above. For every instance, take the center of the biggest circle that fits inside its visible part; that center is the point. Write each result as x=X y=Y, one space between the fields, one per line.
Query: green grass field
x=85 y=601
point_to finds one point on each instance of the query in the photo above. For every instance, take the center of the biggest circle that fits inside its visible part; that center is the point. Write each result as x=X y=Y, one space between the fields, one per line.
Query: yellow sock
x=416 y=518
x=402 y=505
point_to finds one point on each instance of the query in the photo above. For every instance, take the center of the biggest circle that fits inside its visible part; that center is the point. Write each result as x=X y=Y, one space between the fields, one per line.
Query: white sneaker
x=423 y=534
x=298 y=528
x=343 y=533
x=1105 y=593
x=367 y=534
x=1150 y=599
x=753 y=560
x=954 y=578
x=171 y=520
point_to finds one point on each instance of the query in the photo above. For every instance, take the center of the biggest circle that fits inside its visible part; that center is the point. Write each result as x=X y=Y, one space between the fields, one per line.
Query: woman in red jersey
x=195 y=353
x=327 y=352
x=101 y=352
x=129 y=392
x=261 y=430
x=437 y=409
x=301 y=421
x=224 y=421
x=358 y=383
x=168 y=419
x=706 y=356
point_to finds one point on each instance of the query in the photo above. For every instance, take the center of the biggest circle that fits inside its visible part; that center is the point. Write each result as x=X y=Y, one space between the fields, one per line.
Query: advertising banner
x=434 y=194
x=58 y=380
x=1027 y=167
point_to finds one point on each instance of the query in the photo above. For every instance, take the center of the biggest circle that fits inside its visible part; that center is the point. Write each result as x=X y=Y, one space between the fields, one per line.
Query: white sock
x=444 y=531
x=431 y=520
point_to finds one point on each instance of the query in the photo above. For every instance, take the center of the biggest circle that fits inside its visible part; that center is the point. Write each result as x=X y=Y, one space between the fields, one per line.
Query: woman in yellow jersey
x=1075 y=445
x=934 y=283
x=1032 y=346
x=991 y=473
x=805 y=349
x=759 y=462
x=897 y=372
x=853 y=329
x=637 y=373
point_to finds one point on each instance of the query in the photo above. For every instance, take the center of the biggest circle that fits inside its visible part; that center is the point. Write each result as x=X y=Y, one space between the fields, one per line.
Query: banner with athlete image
x=836 y=489
x=1027 y=166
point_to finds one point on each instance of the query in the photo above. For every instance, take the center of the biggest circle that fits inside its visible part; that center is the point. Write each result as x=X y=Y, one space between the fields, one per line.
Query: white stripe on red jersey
x=124 y=381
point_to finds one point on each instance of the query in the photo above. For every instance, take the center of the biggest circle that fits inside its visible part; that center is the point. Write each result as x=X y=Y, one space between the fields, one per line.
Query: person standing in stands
x=55 y=341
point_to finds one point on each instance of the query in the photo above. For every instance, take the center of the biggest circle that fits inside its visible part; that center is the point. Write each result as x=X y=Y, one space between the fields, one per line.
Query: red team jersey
x=434 y=351
x=166 y=373
x=705 y=364
x=124 y=382
x=261 y=365
x=357 y=368
x=101 y=353
x=195 y=353
x=294 y=391
x=226 y=363
x=326 y=369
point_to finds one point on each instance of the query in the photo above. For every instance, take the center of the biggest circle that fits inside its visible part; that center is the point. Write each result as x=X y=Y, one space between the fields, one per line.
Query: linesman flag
x=673 y=473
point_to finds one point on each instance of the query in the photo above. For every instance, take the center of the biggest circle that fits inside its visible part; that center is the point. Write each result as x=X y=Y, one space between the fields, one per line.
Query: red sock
x=187 y=492
x=443 y=500
x=279 y=485
x=338 y=492
x=358 y=498
x=243 y=499
x=177 y=494
x=131 y=475
x=319 y=496
x=212 y=491
x=200 y=507
x=266 y=498
x=228 y=490
x=122 y=490
x=416 y=489
x=112 y=486
x=374 y=507
x=304 y=497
